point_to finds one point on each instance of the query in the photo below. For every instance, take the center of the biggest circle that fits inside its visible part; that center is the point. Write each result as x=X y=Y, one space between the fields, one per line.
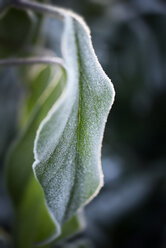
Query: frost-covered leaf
x=68 y=142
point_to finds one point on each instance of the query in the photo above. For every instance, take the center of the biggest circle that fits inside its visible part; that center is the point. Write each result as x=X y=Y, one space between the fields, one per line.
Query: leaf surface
x=68 y=142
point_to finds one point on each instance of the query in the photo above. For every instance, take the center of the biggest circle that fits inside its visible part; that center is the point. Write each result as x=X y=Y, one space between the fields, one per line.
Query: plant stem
x=39 y=7
x=31 y=61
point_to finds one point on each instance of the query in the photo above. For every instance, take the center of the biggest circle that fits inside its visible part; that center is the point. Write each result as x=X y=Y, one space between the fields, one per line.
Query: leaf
x=33 y=210
x=26 y=193
x=33 y=223
x=24 y=144
x=68 y=142
x=35 y=86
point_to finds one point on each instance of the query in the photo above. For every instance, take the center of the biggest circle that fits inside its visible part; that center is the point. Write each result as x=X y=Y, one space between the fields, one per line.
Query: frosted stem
x=30 y=61
x=40 y=8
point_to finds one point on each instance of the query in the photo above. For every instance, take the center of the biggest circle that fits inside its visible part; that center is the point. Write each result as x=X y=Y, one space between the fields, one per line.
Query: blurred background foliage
x=130 y=41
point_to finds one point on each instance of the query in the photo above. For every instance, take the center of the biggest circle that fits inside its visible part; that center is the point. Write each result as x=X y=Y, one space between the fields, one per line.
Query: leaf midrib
x=79 y=120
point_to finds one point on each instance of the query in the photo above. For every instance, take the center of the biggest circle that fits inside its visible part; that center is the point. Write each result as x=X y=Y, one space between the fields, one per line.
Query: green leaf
x=24 y=144
x=68 y=142
x=33 y=210
x=26 y=193
x=35 y=87
x=33 y=223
